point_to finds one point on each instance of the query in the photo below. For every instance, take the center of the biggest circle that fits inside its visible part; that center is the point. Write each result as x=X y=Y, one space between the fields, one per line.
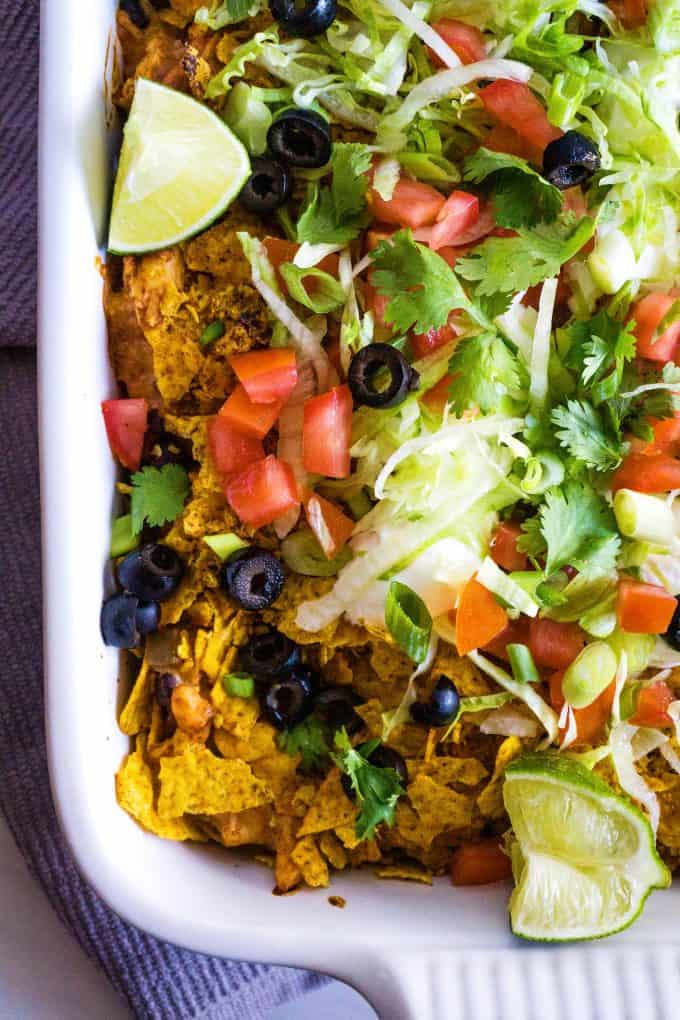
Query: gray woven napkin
x=157 y=980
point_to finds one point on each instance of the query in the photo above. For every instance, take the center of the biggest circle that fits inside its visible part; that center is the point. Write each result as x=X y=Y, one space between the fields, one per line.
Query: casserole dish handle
x=415 y=985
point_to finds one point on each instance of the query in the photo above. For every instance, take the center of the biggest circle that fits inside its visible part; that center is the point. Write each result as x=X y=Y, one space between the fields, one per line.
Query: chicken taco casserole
x=393 y=302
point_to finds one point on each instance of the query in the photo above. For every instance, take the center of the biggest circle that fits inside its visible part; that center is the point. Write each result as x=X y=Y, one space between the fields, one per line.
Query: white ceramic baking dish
x=417 y=953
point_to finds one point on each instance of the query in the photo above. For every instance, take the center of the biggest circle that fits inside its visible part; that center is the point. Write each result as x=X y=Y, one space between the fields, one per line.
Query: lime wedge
x=584 y=858
x=180 y=167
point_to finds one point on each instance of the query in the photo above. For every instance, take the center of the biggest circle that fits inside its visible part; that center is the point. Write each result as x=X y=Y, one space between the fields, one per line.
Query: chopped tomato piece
x=502 y=138
x=504 y=547
x=267 y=376
x=631 y=13
x=652 y=706
x=479 y=617
x=376 y=303
x=459 y=213
x=590 y=721
x=516 y=633
x=249 y=418
x=231 y=450
x=412 y=204
x=438 y=396
x=644 y=608
x=666 y=434
x=376 y=236
x=330 y=525
x=466 y=41
x=554 y=645
x=280 y=251
x=656 y=472
x=326 y=433
x=514 y=104
x=480 y=863
x=647 y=314
x=125 y=422
x=423 y=344
x=263 y=492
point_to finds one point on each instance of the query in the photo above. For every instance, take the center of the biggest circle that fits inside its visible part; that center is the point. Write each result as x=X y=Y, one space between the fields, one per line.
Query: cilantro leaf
x=158 y=495
x=336 y=214
x=485 y=370
x=586 y=437
x=422 y=288
x=576 y=528
x=377 y=790
x=600 y=345
x=511 y=264
x=311 y=738
x=521 y=197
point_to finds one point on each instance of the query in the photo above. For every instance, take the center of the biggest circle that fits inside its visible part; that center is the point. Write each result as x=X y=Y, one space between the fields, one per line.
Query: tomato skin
x=326 y=433
x=249 y=418
x=330 y=525
x=514 y=104
x=504 y=547
x=590 y=721
x=436 y=398
x=125 y=422
x=652 y=706
x=279 y=251
x=458 y=215
x=231 y=450
x=655 y=472
x=516 y=632
x=554 y=645
x=466 y=41
x=647 y=314
x=631 y=13
x=423 y=344
x=479 y=617
x=267 y=376
x=644 y=608
x=263 y=492
x=502 y=138
x=412 y=204
x=376 y=303
x=480 y=863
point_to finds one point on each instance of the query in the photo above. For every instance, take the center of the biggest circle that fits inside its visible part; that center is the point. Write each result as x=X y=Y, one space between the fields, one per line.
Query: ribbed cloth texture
x=158 y=981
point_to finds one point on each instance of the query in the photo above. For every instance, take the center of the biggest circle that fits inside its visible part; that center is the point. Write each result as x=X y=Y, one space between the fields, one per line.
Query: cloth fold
x=158 y=981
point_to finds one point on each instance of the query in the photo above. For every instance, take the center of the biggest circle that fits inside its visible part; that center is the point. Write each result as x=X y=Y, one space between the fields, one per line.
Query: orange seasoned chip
x=136 y=716
x=308 y=859
x=235 y=715
x=135 y=793
x=333 y=850
x=439 y=807
x=198 y=782
x=330 y=809
x=444 y=770
x=260 y=742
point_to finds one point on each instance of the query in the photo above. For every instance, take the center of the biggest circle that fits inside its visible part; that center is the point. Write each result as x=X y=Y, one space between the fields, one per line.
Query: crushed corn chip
x=135 y=793
x=330 y=809
x=198 y=782
x=333 y=850
x=490 y=800
x=313 y=867
x=439 y=807
x=136 y=716
x=410 y=873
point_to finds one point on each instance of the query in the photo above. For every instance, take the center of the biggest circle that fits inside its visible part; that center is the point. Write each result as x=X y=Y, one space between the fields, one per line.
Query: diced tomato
x=590 y=721
x=516 y=633
x=631 y=13
x=437 y=397
x=330 y=525
x=459 y=213
x=656 y=472
x=504 y=547
x=125 y=422
x=514 y=104
x=666 y=434
x=644 y=608
x=267 y=376
x=479 y=617
x=466 y=41
x=647 y=314
x=532 y=296
x=326 y=433
x=280 y=251
x=554 y=645
x=502 y=138
x=412 y=204
x=375 y=303
x=263 y=492
x=249 y=418
x=480 y=863
x=232 y=451
x=423 y=344
x=652 y=706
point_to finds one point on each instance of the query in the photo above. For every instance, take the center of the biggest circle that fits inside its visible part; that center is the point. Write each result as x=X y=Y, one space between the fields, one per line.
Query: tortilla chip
x=286 y=871
x=198 y=782
x=469 y=681
x=490 y=800
x=330 y=809
x=313 y=867
x=174 y=745
x=467 y=771
x=439 y=807
x=212 y=661
x=333 y=850
x=277 y=770
x=408 y=872
x=241 y=828
x=136 y=716
x=347 y=836
x=261 y=742
x=135 y=793
x=235 y=715
x=371 y=712
x=366 y=852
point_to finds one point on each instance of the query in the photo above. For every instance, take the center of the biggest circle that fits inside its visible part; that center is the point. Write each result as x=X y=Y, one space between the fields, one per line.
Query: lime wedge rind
x=180 y=169
x=584 y=858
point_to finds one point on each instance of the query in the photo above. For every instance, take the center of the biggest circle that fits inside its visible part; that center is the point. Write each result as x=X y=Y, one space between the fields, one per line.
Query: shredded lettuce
x=523 y=692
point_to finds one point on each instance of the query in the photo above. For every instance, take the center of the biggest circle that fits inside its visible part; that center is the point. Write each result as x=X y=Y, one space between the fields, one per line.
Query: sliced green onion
x=359 y=504
x=502 y=585
x=639 y=649
x=225 y=545
x=123 y=539
x=600 y=622
x=303 y=554
x=644 y=518
x=522 y=664
x=589 y=674
x=542 y=472
x=628 y=700
x=408 y=620
x=239 y=685
x=211 y=333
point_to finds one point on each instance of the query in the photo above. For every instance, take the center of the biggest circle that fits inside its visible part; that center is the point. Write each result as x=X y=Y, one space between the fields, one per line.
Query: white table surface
x=44 y=975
